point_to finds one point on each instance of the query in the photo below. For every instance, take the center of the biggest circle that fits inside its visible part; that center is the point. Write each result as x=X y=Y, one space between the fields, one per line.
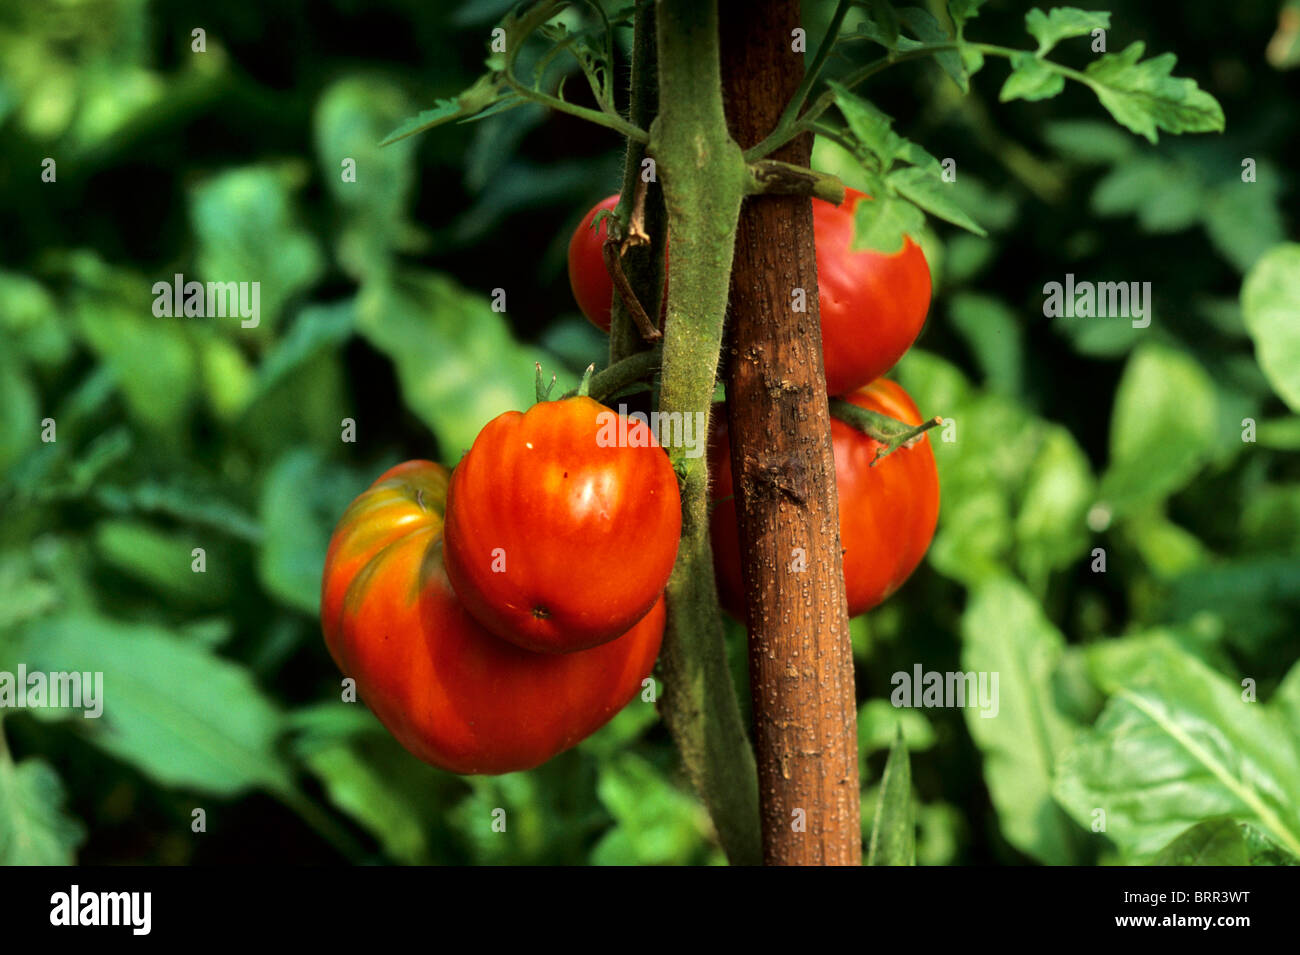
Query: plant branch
x=611 y=380
x=890 y=433
x=704 y=177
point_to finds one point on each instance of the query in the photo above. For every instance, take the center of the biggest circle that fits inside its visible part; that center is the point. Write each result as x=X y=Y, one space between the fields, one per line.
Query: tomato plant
x=887 y=511
x=562 y=525
x=453 y=694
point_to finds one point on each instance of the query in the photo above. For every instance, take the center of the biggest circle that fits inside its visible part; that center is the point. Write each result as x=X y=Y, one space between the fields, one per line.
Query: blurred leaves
x=35 y=828
x=1270 y=304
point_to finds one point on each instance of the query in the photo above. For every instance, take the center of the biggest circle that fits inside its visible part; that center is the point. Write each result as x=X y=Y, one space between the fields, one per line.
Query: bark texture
x=800 y=658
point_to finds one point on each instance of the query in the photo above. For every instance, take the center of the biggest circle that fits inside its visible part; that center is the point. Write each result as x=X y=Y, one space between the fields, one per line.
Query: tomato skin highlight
x=592 y=287
x=553 y=541
x=873 y=305
x=450 y=692
x=887 y=513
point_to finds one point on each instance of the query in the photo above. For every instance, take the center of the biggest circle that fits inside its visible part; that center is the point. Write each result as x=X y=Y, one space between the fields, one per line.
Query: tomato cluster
x=872 y=304
x=462 y=603
x=494 y=615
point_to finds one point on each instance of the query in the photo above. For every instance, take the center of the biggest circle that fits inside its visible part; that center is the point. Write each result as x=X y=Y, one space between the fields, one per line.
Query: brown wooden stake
x=800 y=658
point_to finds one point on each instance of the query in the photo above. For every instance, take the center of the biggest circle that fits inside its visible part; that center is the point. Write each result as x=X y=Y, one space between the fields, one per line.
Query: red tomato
x=887 y=513
x=592 y=287
x=449 y=691
x=872 y=305
x=562 y=531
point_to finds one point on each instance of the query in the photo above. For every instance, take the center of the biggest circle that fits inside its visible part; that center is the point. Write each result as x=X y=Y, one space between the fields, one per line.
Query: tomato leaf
x=1062 y=23
x=1030 y=79
x=1144 y=97
x=35 y=827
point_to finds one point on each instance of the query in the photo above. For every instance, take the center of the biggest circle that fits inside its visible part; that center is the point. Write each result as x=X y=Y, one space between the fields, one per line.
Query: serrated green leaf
x=1270 y=305
x=893 y=831
x=1062 y=23
x=933 y=195
x=1030 y=79
x=1144 y=97
x=962 y=11
x=485 y=91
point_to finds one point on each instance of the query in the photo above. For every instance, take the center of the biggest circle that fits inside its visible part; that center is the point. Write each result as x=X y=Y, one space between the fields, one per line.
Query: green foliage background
x=1120 y=690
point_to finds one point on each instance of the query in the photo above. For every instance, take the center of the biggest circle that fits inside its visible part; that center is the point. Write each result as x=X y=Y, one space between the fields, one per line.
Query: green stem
x=610 y=381
x=890 y=433
x=704 y=181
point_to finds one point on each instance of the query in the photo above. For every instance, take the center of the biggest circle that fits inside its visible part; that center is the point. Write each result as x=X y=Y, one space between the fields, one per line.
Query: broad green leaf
x=1005 y=632
x=172 y=709
x=1270 y=305
x=1030 y=79
x=247 y=231
x=1178 y=744
x=1144 y=97
x=191 y=501
x=933 y=195
x=893 y=830
x=163 y=560
x=302 y=500
x=1163 y=427
x=35 y=828
x=1062 y=23
x=1213 y=842
x=456 y=359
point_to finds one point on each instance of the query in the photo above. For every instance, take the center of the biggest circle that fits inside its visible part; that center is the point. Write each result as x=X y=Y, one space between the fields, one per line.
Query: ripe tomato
x=561 y=532
x=887 y=513
x=593 y=289
x=449 y=691
x=872 y=305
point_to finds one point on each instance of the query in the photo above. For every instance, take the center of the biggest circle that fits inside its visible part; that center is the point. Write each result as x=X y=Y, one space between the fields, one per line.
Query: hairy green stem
x=704 y=180
x=610 y=381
